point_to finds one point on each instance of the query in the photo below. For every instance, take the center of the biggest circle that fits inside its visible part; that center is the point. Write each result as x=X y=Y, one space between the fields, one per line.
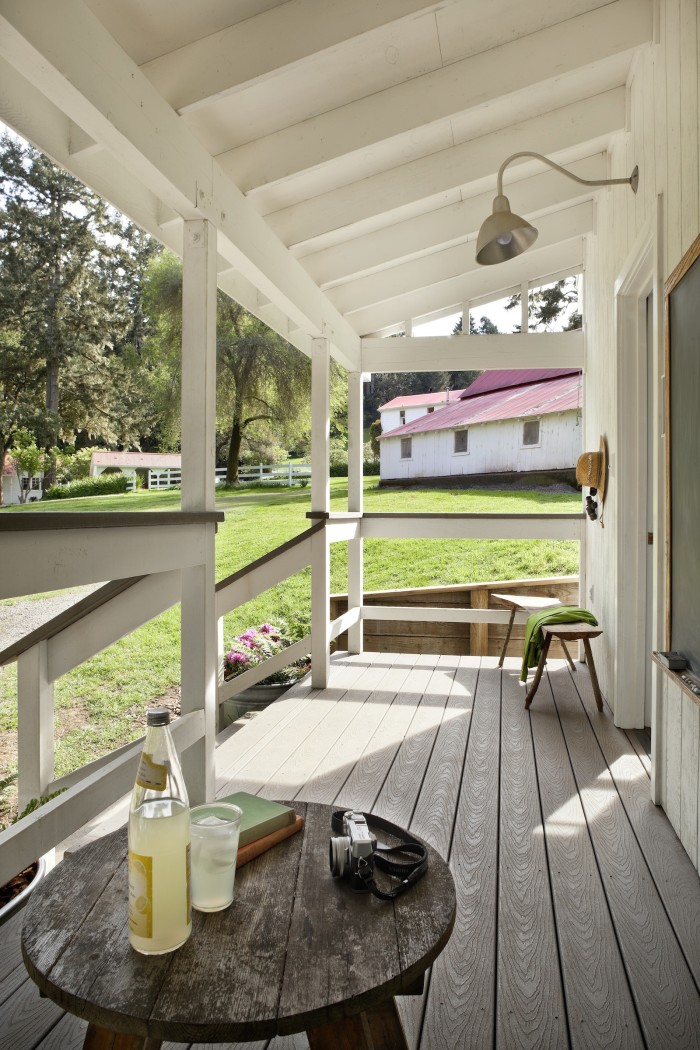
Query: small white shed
x=11 y=484
x=522 y=421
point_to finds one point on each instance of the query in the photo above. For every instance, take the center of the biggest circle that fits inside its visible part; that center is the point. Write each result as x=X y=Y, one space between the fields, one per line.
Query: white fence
x=264 y=473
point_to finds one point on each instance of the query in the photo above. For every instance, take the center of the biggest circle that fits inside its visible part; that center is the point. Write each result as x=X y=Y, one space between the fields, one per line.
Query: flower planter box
x=255 y=698
x=19 y=889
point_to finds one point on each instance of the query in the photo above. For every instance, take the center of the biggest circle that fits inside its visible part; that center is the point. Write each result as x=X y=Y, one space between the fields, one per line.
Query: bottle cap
x=158 y=716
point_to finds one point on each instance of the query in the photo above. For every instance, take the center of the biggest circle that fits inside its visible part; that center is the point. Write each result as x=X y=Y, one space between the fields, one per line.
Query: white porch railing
x=48 y=551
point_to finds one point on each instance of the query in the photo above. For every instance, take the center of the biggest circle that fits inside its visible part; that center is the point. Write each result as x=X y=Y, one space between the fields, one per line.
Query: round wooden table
x=297 y=950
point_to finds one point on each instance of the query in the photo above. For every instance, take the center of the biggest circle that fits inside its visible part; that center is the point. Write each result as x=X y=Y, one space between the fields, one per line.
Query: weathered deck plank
x=600 y=1010
x=530 y=1002
x=461 y=1003
x=665 y=995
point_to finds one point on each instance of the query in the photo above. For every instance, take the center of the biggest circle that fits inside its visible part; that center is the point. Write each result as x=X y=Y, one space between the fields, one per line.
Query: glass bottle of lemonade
x=159 y=845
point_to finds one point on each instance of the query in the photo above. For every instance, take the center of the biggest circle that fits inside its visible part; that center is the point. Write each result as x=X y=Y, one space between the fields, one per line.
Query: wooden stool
x=569 y=632
x=525 y=603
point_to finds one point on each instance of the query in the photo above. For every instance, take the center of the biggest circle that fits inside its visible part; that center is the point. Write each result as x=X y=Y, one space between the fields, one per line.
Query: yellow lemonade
x=159 y=876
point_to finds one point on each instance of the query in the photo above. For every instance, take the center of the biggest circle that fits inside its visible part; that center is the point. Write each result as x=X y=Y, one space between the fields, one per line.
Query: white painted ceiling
x=364 y=136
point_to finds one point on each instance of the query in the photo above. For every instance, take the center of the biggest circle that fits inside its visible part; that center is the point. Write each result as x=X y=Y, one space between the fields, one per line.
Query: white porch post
x=320 y=503
x=199 y=628
x=35 y=728
x=355 y=494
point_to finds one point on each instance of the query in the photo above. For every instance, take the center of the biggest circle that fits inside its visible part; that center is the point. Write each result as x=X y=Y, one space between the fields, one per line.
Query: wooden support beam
x=451 y=353
x=540 y=57
x=584 y=127
x=453 y=262
x=448 y=225
x=225 y=62
x=199 y=648
x=35 y=725
x=320 y=503
x=535 y=264
x=355 y=503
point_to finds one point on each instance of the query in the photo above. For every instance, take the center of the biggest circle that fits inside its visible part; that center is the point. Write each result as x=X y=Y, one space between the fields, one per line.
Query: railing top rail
x=54 y=626
x=117 y=519
x=480 y=585
x=452 y=516
x=270 y=556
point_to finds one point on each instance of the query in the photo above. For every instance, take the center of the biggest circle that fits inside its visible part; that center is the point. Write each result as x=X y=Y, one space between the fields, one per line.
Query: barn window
x=531 y=432
x=402 y=417
x=36 y=483
x=461 y=440
x=405 y=448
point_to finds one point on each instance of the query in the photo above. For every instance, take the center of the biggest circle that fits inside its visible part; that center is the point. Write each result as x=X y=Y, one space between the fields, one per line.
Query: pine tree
x=64 y=267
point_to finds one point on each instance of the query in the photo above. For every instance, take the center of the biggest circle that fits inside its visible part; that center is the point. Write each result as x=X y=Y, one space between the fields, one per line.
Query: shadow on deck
x=578 y=909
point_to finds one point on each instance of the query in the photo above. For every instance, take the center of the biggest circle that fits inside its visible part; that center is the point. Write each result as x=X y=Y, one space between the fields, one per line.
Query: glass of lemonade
x=215 y=828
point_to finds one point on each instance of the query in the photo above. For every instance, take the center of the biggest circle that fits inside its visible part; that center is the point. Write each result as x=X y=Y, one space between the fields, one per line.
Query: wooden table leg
x=378 y=1028
x=592 y=673
x=538 y=673
x=505 y=644
x=97 y=1038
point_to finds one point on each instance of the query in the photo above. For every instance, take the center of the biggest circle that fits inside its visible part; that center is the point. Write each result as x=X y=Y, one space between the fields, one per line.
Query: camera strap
x=392 y=860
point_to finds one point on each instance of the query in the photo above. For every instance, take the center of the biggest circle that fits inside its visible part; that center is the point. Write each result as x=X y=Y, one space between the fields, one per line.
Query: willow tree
x=263 y=383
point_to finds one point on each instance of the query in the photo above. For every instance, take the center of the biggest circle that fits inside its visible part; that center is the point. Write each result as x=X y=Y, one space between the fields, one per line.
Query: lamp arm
x=631 y=181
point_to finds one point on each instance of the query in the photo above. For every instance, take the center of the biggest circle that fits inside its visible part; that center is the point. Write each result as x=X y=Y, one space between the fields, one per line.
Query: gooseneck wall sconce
x=503 y=235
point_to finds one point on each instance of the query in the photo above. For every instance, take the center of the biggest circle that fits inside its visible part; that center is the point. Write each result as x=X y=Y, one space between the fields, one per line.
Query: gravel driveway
x=18 y=617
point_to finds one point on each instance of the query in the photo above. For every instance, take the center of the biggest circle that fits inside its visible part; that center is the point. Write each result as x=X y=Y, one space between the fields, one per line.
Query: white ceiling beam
x=455 y=353
x=449 y=225
x=585 y=125
x=529 y=266
x=24 y=108
x=261 y=46
x=546 y=55
x=441 y=266
x=103 y=92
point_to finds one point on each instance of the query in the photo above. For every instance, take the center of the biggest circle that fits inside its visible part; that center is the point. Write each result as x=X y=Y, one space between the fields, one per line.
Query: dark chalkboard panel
x=683 y=455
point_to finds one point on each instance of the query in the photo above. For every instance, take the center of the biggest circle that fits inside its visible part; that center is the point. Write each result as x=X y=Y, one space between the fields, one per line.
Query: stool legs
x=566 y=654
x=98 y=1038
x=592 y=673
x=505 y=644
x=538 y=673
x=378 y=1028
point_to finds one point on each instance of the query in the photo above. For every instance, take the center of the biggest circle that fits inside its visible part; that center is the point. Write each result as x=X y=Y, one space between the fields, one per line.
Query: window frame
x=461 y=451
x=406 y=441
x=531 y=444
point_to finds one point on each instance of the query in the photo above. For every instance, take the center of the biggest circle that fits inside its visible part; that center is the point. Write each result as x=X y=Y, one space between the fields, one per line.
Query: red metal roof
x=534 y=399
x=502 y=379
x=137 y=459
x=437 y=397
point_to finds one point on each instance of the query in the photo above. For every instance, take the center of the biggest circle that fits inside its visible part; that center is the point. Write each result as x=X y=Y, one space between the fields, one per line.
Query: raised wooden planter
x=454 y=639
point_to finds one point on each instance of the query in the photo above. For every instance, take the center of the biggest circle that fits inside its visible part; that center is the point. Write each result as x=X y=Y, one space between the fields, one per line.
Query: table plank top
x=296 y=949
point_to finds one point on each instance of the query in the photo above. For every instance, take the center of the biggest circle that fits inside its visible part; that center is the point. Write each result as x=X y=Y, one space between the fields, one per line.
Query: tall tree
x=263 y=383
x=552 y=304
x=64 y=266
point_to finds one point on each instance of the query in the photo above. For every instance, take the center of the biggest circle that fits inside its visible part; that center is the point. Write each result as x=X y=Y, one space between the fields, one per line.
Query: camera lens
x=338 y=853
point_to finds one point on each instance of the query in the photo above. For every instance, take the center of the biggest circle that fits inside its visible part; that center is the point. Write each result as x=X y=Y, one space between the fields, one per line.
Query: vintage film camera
x=352 y=851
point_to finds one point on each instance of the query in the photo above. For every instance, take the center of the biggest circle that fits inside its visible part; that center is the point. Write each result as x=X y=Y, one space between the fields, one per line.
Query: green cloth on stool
x=534 y=639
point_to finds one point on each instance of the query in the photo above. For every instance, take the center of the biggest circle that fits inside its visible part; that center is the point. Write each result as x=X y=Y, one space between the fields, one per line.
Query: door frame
x=641 y=276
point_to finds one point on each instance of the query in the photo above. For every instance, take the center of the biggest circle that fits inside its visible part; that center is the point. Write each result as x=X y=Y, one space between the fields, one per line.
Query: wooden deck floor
x=578 y=910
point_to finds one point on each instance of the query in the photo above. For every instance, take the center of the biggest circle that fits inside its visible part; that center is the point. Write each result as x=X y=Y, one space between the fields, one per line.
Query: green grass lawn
x=98 y=703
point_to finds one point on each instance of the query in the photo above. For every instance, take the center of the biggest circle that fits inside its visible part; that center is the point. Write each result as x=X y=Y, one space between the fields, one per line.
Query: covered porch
x=578 y=920
x=348 y=215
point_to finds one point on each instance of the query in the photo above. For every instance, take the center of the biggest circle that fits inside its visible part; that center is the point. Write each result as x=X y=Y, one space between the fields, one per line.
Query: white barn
x=509 y=421
x=407 y=407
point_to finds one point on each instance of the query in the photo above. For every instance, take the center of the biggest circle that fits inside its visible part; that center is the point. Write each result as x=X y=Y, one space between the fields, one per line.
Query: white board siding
x=391 y=417
x=494 y=447
x=663 y=140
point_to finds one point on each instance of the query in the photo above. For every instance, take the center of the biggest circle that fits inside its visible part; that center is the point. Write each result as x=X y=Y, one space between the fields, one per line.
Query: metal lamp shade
x=503 y=235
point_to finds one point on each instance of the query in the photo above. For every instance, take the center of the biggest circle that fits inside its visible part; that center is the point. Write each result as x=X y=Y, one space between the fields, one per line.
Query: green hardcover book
x=260 y=815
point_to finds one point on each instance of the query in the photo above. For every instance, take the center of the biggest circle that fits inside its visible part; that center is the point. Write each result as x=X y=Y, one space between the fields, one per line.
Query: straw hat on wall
x=592 y=470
